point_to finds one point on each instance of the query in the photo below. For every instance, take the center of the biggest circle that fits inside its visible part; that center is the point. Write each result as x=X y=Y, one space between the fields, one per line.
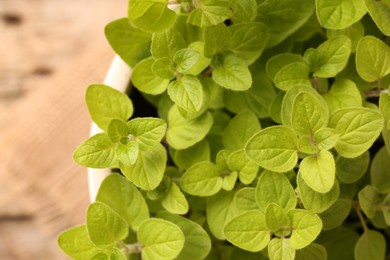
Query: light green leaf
x=295 y=73
x=336 y=214
x=369 y=200
x=380 y=13
x=197 y=243
x=148 y=131
x=316 y=202
x=217 y=39
x=175 y=201
x=279 y=61
x=384 y=107
x=116 y=130
x=96 y=152
x=240 y=129
x=219 y=211
x=201 y=179
x=379 y=171
x=185 y=59
x=343 y=94
x=249 y=40
x=187 y=93
x=334 y=54
x=162 y=67
x=100 y=256
x=229 y=181
x=274 y=148
x=371 y=245
x=248 y=231
x=127 y=153
x=358 y=129
x=339 y=14
x=280 y=249
x=222 y=161
x=351 y=170
x=183 y=133
x=245 y=199
x=160 y=239
x=210 y=12
x=120 y=35
x=306 y=227
x=277 y=220
x=120 y=195
x=75 y=243
x=117 y=255
x=164 y=186
x=326 y=138
x=184 y=159
x=105 y=227
x=145 y=80
x=105 y=103
x=307 y=145
x=372 y=59
x=202 y=62
x=247 y=169
x=275 y=188
x=231 y=72
x=312 y=252
x=246 y=11
x=353 y=32
x=148 y=170
x=318 y=171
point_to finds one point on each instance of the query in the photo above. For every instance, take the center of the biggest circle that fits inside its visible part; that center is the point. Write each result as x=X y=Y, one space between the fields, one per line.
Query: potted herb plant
x=269 y=135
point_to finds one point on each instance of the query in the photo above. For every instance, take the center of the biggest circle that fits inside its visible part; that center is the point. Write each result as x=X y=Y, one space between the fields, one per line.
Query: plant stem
x=358 y=210
x=379 y=86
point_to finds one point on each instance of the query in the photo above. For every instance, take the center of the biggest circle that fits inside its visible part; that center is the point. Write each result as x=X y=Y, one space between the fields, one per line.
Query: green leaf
x=164 y=186
x=116 y=130
x=336 y=214
x=184 y=159
x=326 y=138
x=245 y=199
x=185 y=59
x=353 y=32
x=312 y=252
x=105 y=103
x=219 y=211
x=372 y=59
x=96 y=152
x=296 y=73
x=127 y=153
x=343 y=94
x=318 y=171
x=217 y=39
x=369 y=199
x=306 y=227
x=351 y=170
x=279 y=61
x=202 y=62
x=148 y=131
x=162 y=67
x=249 y=40
x=105 y=227
x=240 y=129
x=187 y=93
x=201 y=179
x=276 y=107
x=307 y=115
x=275 y=188
x=380 y=13
x=371 y=245
x=120 y=195
x=183 y=133
x=231 y=72
x=160 y=239
x=334 y=54
x=197 y=243
x=148 y=170
x=307 y=145
x=210 y=12
x=339 y=14
x=175 y=201
x=379 y=171
x=75 y=243
x=229 y=181
x=358 y=129
x=120 y=35
x=277 y=220
x=247 y=169
x=145 y=80
x=280 y=249
x=317 y=202
x=246 y=11
x=248 y=231
x=274 y=148
x=117 y=255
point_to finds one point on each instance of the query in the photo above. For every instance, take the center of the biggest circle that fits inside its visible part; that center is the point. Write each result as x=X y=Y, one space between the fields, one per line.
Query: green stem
x=358 y=210
x=379 y=86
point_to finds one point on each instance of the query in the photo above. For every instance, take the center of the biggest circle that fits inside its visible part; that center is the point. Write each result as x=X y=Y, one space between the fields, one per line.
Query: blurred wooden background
x=50 y=51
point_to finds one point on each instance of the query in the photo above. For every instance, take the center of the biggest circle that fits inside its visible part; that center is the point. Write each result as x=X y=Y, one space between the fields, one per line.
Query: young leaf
x=275 y=188
x=326 y=138
x=162 y=67
x=380 y=13
x=210 y=12
x=296 y=73
x=127 y=153
x=274 y=148
x=245 y=199
x=351 y=170
x=160 y=239
x=312 y=252
x=277 y=220
x=280 y=249
x=336 y=214
x=187 y=93
x=105 y=227
x=202 y=62
x=248 y=231
x=379 y=171
x=306 y=227
x=318 y=171
x=183 y=133
x=184 y=159
x=358 y=128
x=120 y=195
x=372 y=59
x=316 y=202
x=229 y=181
x=148 y=170
x=337 y=14
x=201 y=179
x=116 y=130
x=96 y=152
x=343 y=94
x=279 y=61
x=371 y=245
x=105 y=103
x=247 y=169
x=369 y=199
x=148 y=131
x=185 y=59
x=175 y=201
x=231 y=72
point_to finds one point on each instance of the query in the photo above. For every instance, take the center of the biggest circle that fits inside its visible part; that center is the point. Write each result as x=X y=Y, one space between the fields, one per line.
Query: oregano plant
x=269 y=136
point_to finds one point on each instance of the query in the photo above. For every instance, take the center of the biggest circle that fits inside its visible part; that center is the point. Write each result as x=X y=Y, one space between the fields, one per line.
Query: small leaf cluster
x=272 y=139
